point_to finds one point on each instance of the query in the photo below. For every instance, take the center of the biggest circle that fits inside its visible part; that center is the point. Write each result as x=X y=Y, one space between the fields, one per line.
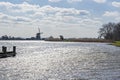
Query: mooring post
x=4 y=49
x=14 y=50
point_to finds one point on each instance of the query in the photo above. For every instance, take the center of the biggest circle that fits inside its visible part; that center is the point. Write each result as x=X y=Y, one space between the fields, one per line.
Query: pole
x=14 y=50
x=4 y=49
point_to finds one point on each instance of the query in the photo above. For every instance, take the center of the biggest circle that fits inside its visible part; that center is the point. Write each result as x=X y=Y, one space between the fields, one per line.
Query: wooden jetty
x=6 y=53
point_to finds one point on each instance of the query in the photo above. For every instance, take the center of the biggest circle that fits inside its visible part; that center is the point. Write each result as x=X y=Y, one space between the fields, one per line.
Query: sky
x=70 y=18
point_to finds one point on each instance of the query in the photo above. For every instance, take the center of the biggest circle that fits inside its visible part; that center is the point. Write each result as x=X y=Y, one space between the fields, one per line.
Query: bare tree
x=107 y=31
x=117 y=31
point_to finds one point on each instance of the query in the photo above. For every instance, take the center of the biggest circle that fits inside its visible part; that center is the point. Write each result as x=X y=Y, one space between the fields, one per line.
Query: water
x=40 y=60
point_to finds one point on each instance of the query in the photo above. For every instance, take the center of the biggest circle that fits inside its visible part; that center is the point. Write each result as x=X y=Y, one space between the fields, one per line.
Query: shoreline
x=81 y=40
x=69 y=40
x=116 y=43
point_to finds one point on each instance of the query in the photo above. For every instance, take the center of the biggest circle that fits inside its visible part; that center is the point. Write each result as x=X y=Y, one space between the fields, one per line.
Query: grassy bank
x=116 y=43
x=80 y=40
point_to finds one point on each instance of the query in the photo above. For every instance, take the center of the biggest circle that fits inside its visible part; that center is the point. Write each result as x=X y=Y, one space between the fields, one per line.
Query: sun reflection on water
x=61 y=61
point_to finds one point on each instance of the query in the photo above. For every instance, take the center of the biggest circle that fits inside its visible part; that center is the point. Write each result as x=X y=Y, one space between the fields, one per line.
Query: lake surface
x=40 y=60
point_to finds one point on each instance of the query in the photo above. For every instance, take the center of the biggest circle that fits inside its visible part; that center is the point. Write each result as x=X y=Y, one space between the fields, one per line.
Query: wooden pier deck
x=6 y=53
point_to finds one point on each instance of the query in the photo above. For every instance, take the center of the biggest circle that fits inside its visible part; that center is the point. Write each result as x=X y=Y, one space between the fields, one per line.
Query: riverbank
x=80 y=40
x=116 y=43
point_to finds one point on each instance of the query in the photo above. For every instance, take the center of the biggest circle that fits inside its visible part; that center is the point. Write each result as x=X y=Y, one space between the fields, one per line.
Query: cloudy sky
x=70 y=18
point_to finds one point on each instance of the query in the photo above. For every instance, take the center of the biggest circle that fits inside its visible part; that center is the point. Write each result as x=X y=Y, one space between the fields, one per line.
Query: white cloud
x=114 y=15
x=116 y=4
x=88 y=21
x=70 y=1
x=111 y=14
x=100 y=1
x=54 y=0
x=47 y=16
x=35 y=11
x=6 y=4
x=24 y=7
x=118 y=19
x=13 y=19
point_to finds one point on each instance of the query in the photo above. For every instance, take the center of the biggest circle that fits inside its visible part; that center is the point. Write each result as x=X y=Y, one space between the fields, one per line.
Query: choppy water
x=39 y=60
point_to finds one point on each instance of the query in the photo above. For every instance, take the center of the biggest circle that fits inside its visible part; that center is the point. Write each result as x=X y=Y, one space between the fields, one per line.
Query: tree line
x=110 y=31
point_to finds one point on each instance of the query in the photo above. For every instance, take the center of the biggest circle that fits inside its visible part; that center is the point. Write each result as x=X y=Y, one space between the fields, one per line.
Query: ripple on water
x=61 y=61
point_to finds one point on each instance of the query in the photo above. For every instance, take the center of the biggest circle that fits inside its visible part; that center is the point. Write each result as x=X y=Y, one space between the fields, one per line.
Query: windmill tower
x=38 y=35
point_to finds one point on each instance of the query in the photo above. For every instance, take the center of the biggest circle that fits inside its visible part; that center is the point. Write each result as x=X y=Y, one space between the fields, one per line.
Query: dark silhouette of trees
x=5 y=37
x=110 y=31
x=61 y=37
x=117 y=31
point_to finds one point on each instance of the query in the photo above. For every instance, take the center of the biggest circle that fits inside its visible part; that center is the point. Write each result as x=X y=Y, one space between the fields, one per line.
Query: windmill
x=38 y=35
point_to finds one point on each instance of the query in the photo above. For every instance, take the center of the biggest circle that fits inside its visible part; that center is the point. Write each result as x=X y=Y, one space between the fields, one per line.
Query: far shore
x=70 y=40
x=116 y=43
x=80 y=40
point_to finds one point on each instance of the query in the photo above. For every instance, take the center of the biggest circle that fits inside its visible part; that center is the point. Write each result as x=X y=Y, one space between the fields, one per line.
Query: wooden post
x=14 y=50
x=4 y=49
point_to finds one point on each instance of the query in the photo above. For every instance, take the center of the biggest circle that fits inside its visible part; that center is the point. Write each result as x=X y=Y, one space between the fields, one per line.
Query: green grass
x=116 y=43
